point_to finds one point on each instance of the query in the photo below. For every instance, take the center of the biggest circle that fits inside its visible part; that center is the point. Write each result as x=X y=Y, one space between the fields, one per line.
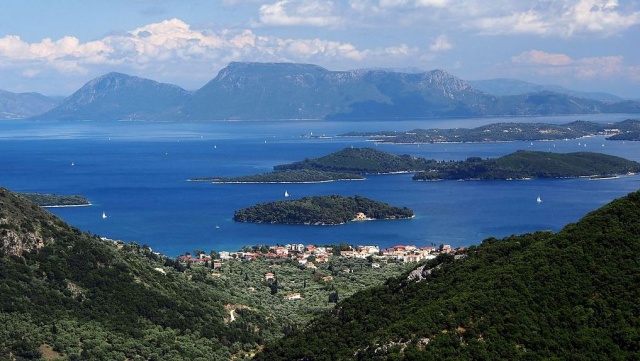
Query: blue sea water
x=136 y=172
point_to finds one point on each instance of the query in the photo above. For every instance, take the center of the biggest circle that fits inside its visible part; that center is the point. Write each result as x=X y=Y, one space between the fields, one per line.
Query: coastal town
x=310 y=256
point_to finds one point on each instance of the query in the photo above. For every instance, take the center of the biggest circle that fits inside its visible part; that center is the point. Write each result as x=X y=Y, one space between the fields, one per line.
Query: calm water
x=136 y=172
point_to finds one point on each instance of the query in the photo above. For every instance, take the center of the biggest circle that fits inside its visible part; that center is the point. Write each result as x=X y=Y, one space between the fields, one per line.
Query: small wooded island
x=530 y=164
x=55 y=200
x=321 y=210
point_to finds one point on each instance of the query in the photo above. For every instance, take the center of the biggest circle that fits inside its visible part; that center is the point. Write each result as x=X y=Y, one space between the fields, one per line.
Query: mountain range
x=25 y=105
x=288 y=91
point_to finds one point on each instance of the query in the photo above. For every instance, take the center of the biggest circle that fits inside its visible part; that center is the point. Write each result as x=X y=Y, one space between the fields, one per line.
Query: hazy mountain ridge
x=116 y=96
x=289 y=91
x=24 y=105
x=505 y=87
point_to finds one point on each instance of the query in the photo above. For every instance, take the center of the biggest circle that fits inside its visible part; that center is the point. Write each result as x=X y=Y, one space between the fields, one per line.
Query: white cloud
x=541 y=57
x=412 y=3
x=167 y=49
x=297 y=12
x=563 y=18
x=440 y=44
x=543 y=63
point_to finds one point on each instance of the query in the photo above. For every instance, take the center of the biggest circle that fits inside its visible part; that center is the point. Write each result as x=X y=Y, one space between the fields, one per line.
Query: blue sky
x=54 y=47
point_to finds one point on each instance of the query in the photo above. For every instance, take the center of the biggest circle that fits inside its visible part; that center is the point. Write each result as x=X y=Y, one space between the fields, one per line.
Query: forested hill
x=567 y=295
x=531 y=164
x=82 y=297
x=360 y=160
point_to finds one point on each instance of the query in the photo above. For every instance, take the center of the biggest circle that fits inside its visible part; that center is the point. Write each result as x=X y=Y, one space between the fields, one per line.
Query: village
x=310 y=255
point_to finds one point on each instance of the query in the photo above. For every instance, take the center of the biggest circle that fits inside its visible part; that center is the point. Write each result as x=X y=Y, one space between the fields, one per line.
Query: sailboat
x=286 y=194
x=104 y=215
x=539 y=200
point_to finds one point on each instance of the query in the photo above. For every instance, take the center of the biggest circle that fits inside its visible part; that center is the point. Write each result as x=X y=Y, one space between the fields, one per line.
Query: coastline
x=254 y=182
x=68 y=205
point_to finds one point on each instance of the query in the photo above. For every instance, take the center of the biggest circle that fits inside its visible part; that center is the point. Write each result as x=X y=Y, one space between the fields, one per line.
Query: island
x=631 y=136
x=346 y=164
x=361 y=161
x=54 y=200
x=524 y=164
x=503 y=132
x=321 y=210
x=289 y=176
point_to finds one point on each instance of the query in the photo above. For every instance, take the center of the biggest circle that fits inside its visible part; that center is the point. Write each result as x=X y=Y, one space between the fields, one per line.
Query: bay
x=136 y=172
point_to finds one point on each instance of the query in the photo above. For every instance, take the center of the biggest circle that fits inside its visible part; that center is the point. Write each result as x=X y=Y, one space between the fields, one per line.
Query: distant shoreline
x=68 y=205
x=283 y=182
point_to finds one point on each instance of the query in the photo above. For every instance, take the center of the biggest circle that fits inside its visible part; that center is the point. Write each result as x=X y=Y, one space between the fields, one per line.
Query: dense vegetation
x=530 y=164
x=570 y=295
x=360 y=161
x=322 y=210
x=53 y=200
x=500 y=132
x=352 y=163
x=75 y=296
x=290 y=176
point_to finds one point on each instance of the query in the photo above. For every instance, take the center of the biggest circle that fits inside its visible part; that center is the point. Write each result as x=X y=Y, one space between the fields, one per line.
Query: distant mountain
x=288 y=91
x=117 y=96
x=24 y=105
x=303 y=91
x=505 y=87
x=565 y=296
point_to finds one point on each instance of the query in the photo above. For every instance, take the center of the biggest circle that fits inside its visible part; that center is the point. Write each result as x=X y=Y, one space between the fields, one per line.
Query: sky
x=55 y=47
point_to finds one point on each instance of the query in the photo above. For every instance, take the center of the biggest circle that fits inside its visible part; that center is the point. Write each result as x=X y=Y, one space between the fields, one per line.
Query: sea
x=137 y=173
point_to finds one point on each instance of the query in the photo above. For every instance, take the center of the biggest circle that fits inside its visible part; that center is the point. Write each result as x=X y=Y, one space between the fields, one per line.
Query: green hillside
x=530 y=164
x=571 y=295
x=361 y=161
x=69 y=295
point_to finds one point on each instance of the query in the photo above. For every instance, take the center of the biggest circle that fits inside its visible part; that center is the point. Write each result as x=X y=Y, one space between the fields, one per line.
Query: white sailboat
x=286 y=194
x=104 y=215
x=539 y=200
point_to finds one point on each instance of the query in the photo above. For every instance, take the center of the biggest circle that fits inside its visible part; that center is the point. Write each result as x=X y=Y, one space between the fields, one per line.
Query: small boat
x=286 y=194
x=104 y=215
x=539 y=200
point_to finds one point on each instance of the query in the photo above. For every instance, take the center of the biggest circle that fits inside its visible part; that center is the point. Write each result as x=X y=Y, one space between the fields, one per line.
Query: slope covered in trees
x=530 y=164
x=360 y=161
x=322 y=210
x=90 y=298
x=566 y=295
x=70 y=295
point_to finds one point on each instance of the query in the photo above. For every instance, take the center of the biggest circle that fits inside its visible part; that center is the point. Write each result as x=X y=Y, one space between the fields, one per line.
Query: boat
x=104 y=215
x=539 y=200
x=286 y=194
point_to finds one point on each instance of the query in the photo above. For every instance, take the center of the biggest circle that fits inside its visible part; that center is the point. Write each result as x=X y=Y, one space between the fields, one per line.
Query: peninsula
x=321 y=210
x=529 y=164
x=354 y=163
x=290 y=176
x=361 y=161
x=504 y=132
x=345 y=164
x=54 y=200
